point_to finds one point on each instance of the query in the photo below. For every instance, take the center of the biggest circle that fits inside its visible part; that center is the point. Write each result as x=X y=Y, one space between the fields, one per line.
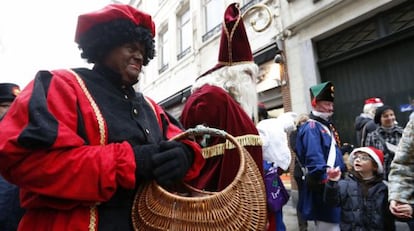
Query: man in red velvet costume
x=225 y=98
x=79 y=142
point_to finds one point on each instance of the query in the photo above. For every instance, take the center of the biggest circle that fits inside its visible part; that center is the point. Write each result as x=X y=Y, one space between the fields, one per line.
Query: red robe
x=215 y=108
x=61 y=184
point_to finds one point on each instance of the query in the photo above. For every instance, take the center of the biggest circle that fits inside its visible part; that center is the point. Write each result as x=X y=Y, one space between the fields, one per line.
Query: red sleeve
x=213 y=107
x=39 y=140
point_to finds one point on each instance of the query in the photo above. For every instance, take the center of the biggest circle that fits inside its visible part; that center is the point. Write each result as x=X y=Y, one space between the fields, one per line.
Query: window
x=213 y=16
x=138 y=4
x=184 y=34
x=214 y=10
x=163 y=53
x=248 y=3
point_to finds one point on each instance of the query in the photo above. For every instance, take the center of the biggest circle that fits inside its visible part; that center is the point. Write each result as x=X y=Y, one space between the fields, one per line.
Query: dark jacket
x=364 y=204
x=363 y=126
x=10 y=211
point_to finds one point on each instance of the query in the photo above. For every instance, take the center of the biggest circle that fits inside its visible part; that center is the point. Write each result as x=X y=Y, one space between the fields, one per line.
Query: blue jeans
x=280 y=225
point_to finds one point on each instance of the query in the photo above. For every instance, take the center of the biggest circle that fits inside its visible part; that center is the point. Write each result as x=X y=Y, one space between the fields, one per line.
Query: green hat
x=323 y=91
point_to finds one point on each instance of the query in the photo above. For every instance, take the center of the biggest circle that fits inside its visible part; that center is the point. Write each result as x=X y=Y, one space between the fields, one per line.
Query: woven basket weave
x=240 y=206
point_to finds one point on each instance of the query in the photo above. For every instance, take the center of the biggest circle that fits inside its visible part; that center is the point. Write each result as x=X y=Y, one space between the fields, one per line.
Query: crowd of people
x=365 y=195
x=76 y=145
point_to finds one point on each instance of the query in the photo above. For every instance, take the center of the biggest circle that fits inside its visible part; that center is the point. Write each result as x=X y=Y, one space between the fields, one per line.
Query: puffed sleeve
x=42 y=152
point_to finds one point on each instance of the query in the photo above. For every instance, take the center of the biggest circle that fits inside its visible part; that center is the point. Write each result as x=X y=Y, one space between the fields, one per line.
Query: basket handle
x=200 y=130
x=230 y=143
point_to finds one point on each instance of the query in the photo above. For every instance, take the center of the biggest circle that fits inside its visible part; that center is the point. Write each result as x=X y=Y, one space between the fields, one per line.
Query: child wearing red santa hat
x=362 y=194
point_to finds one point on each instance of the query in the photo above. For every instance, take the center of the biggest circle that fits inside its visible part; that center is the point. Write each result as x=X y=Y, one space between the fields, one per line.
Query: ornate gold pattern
x=230 y=36
x=218 y=149
x=259 y=7
x=101 y=125
x=235 y=63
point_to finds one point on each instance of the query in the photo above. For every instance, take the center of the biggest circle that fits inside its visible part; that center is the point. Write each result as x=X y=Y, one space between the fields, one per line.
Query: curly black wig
x=98 y=41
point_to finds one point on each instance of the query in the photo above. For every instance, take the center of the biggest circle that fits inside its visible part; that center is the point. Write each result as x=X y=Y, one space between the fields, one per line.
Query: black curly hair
x=98 y=41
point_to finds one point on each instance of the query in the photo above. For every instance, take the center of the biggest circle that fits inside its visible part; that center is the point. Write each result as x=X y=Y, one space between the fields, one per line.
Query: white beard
x=240 y=85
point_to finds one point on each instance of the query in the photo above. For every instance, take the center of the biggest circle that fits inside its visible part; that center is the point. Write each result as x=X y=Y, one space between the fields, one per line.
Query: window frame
x=182 y=27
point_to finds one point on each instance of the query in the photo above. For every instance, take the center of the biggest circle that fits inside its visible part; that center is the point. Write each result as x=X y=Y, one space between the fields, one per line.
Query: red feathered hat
x=113 y=12
x=234 y=44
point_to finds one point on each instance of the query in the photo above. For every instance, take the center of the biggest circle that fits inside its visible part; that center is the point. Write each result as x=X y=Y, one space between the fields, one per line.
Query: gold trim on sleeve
x=102 y=139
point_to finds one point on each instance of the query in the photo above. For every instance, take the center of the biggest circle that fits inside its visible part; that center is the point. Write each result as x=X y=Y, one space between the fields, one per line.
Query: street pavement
x=289 y=213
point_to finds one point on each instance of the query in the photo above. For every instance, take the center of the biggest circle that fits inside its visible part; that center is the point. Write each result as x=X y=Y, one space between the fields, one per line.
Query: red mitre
x=113 y=12
x=234 y=43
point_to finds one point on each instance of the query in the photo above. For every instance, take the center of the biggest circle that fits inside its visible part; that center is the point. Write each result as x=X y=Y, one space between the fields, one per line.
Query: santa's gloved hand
x=172 y=162
x=143 y=159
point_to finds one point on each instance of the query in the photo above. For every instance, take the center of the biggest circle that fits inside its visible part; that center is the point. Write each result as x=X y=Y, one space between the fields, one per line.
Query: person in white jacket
x=276 y=152
x=273 y=132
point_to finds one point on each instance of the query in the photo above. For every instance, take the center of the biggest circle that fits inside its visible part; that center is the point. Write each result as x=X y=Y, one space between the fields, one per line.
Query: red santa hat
x=375 y=154
x=234 y=43
x=372 y=103
x=110 y=13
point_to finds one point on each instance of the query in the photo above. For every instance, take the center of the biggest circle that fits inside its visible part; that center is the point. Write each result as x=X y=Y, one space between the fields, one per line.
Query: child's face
x=363 y=163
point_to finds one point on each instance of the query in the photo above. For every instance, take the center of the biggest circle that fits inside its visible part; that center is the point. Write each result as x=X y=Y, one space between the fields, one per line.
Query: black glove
x=172 y=163
x=143 y=159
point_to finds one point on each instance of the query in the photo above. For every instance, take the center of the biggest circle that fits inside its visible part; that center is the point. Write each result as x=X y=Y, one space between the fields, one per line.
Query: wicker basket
x=240 y=206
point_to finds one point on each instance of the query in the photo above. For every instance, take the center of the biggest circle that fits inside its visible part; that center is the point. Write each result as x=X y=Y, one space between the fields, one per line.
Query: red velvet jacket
x=62 y=173
x=213 y=107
